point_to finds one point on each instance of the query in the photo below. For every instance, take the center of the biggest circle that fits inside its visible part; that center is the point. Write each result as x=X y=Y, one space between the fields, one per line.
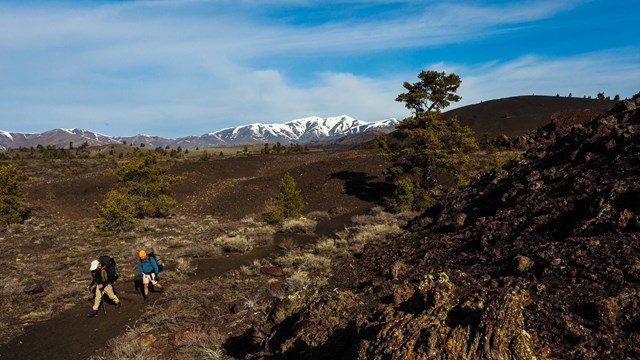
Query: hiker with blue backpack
x=148 y=269
x=103 y=273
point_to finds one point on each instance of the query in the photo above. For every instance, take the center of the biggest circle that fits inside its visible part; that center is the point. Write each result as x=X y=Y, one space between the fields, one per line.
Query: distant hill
x=516 y=115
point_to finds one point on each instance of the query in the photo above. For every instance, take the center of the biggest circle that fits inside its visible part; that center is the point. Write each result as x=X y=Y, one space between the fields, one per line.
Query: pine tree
x=116 y=213
x=287 y=203
x=430 y=148
x=205 y=156
x=148 y=185
x=11 y=211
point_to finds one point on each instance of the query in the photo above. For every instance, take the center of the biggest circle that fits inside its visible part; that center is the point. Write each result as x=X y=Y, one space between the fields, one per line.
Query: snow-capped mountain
x=55 y=137
x=296 y=131
x=302 y=130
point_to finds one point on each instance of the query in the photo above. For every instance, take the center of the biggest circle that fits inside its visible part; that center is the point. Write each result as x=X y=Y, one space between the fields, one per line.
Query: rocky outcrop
x=444 y=325
x=539 y=259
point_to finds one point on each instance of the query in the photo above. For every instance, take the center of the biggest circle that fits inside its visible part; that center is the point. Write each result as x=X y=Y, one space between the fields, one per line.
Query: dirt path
x=72 y=335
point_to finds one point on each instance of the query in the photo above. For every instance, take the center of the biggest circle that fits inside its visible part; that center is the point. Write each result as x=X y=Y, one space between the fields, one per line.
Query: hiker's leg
x=96 y=302
x=145 y=281
x=109 y=291
x=156 y=285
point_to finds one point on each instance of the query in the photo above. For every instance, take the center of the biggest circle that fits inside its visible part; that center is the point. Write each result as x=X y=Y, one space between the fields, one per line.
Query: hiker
x=148 y=269
x=103 y=280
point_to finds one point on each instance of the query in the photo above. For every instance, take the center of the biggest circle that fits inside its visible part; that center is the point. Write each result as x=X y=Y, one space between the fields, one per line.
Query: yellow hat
x=142 y=254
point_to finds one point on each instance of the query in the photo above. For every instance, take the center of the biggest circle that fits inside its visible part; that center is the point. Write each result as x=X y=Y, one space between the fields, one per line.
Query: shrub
x=299 y=281
x=11 y=211
x=186 y=266
x=50 y=196
x=298 y=225
x=205 y=156
x=305 y=261
x=234 y=243
x=116 y=213
x=148 y=184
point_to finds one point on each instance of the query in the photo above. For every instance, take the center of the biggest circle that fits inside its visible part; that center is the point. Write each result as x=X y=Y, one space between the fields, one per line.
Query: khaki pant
x=107 y=290
x=149 y=278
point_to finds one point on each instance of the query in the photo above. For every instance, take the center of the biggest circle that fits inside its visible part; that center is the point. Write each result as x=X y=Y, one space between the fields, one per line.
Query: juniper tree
x=430 y=148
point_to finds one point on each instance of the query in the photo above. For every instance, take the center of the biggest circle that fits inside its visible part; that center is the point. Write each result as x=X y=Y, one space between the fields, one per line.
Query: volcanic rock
x=272 y=270
x=33 y=288
x=545 y=264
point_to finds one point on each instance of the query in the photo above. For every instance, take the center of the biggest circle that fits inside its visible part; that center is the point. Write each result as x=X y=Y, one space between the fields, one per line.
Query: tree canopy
x=434 y=92
x=148 y=183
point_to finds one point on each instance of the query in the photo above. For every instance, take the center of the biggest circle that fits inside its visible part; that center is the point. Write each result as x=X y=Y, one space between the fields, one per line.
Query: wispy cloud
x=176 y=68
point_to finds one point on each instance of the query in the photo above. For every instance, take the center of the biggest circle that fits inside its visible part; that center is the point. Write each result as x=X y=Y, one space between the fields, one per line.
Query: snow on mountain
x=302 y=130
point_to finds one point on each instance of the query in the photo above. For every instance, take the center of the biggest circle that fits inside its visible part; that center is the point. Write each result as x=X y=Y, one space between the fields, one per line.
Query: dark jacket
x=148 y=266
x=101 y=276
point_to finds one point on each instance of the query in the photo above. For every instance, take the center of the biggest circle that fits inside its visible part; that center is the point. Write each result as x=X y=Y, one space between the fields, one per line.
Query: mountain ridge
x=302 y=130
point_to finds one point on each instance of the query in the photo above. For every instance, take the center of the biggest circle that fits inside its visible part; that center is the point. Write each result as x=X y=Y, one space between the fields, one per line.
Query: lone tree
x=430 y=151
x=11 y=211
x=286 y=204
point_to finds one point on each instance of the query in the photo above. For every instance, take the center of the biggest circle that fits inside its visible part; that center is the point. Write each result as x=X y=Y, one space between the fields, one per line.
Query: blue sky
x=187 y=67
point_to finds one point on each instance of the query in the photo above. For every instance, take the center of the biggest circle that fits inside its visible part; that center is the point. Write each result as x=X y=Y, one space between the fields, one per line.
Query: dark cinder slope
x=540 y=259
x=516 y=115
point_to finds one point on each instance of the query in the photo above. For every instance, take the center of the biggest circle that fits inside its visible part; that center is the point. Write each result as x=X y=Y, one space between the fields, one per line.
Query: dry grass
x=186 y=266
x=396 y=269
x=253 y=269
x=304 y=261
x=234 y=243
x=185 y=316
x=306 y=271
x=299 y=281
x=301 y=225
x=41 y=314
x=369 y=228
x=129 y=345
x=200 y=344
x=319 y=215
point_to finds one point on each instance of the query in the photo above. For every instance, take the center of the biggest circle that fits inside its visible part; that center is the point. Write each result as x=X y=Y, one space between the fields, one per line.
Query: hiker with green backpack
x=148 y=269
x=103 y=273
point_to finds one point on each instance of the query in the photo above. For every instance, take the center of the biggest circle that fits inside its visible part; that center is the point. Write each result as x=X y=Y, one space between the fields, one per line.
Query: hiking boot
x=93 y=313
x=118 y=305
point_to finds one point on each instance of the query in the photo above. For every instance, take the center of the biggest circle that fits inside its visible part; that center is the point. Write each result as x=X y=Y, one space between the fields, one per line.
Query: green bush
x=11 y=211
x=148 y=184
x=116 y=213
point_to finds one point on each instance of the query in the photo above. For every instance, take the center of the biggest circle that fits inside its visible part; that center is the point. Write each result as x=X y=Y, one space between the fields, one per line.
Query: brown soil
x=231 y=187
x=341 y=183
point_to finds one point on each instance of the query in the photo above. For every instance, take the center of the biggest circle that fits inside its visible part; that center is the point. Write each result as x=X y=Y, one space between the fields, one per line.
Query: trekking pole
x=102 y=302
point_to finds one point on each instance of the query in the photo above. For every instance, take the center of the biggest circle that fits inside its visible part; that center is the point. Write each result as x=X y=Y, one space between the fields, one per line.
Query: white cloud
x=162 y=67
x=582 y=75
